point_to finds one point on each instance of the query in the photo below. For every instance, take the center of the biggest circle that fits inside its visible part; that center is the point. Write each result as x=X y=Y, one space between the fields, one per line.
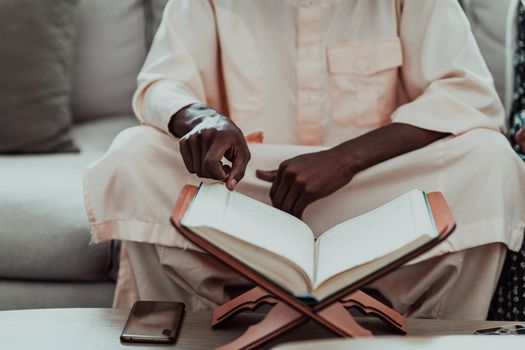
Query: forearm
x=187 y=118
x=385 y=143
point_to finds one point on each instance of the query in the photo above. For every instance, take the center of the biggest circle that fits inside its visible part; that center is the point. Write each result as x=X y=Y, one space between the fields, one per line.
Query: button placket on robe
x=310 y=73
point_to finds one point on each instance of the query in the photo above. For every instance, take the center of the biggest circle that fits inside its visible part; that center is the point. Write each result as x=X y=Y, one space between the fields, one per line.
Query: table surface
x=101 y=328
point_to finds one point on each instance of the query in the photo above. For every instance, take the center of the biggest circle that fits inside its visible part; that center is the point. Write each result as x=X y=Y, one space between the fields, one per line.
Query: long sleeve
x=447 y=83
x=182 y=65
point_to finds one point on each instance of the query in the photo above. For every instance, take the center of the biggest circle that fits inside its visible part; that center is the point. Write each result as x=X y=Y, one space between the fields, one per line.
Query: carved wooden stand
x=287 y=311
x=282 y=318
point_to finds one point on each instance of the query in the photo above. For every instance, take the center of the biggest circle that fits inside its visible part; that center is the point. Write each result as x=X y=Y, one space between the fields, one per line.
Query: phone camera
x=166 y=332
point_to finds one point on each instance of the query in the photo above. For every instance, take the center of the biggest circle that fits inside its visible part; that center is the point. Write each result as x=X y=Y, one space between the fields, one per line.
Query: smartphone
x=153 y=322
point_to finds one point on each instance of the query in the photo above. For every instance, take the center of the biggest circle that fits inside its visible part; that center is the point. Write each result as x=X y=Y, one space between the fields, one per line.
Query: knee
x=488 y=150
x=131 y=147
x=137 y=140
x=139 y=144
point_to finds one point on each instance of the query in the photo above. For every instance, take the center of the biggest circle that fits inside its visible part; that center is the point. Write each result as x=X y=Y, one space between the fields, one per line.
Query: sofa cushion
x=36 y=52
x=488 y=19
x=154 y=11
x=44 y=231
x=16 y=295
x=110 y=50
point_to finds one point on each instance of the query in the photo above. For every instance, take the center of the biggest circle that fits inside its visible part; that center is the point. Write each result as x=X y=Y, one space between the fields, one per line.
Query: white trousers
x=450 y=286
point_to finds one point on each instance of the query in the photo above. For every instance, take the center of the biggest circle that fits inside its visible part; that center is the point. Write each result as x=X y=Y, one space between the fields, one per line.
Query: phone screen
x=152 y=321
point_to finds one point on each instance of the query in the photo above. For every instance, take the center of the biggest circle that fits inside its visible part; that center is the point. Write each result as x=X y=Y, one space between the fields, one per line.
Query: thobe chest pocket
x=363 y=80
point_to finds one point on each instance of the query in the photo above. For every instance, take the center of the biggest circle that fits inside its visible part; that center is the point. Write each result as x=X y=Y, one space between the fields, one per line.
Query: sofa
x=46 y=259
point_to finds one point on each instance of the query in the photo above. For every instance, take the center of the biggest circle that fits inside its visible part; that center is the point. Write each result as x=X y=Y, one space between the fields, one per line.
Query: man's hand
x=304 y=179
x=206 y=137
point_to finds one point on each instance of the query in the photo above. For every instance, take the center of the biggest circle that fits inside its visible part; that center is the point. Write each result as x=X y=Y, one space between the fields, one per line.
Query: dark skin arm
x=206 y=137
x=304 y=179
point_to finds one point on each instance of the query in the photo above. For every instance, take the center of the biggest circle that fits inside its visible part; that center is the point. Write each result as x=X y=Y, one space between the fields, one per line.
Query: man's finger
x=196 y=154
x=206 y=143
x=185 y=152
x=276 y=182
x=266 y=175
x=215 y=171
x=238 y=168
x=281 y=192
x=300 y=205
x=212 y=164
x=291 y=197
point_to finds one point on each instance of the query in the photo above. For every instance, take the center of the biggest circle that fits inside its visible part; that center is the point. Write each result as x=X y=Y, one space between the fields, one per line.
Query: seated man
x=359 y=101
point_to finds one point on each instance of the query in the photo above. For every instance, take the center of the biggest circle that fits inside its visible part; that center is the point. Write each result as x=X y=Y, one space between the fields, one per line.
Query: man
x=359 y=101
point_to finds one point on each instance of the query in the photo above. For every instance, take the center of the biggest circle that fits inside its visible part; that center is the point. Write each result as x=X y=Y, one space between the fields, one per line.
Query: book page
x=373 y=235
x=254 y=222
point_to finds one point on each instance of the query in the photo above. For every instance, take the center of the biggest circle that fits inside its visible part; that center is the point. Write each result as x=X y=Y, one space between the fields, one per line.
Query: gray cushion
x=488 y=21
x=154 y=11
x=36 y=49
x=110 y=50
x=15 y=295
x=44 y=232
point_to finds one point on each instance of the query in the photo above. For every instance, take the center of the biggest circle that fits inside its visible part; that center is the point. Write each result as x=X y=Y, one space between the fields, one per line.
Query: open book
x=283 y=248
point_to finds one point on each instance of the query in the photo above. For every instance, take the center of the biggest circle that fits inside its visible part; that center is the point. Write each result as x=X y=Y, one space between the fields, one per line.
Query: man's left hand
x=302 y=180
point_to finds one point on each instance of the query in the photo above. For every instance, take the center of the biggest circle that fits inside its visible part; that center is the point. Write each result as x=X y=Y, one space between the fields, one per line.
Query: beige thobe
x=312 y=74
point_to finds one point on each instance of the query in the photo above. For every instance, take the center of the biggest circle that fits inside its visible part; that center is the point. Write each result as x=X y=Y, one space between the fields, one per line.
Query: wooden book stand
x=288 y=312
x=282 y=318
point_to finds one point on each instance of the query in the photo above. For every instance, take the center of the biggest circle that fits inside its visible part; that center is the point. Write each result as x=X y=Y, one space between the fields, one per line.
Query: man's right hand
x=205 y=138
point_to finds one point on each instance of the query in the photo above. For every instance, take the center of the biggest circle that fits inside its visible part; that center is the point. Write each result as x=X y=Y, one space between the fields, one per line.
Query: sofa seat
x=44 y=232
